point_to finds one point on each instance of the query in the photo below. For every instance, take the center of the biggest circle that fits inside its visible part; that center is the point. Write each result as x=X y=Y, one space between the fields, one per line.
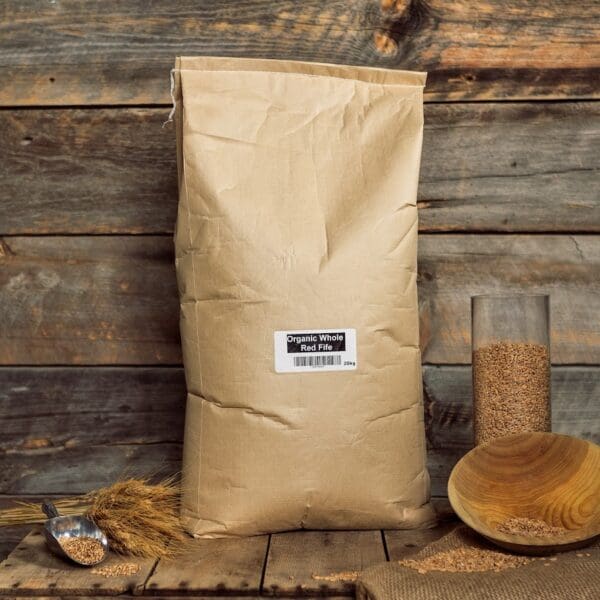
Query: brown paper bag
x=296 y=262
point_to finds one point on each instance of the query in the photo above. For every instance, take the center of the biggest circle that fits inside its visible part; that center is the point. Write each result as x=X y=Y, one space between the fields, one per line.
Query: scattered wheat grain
x=466 y=560
x=117 y=570
x=342 y=576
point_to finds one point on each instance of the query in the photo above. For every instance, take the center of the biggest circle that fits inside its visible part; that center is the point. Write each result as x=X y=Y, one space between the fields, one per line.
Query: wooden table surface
x=293 y=564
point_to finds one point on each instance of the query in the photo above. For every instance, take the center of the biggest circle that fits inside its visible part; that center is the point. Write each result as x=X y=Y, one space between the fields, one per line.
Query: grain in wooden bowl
x=533 y=493
x=529 y=527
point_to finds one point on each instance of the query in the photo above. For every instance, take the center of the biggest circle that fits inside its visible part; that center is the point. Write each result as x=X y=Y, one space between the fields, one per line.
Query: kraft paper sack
x=296 y=251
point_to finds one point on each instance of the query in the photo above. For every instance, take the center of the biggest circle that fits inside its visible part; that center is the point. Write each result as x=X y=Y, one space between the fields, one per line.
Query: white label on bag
x=315 y=350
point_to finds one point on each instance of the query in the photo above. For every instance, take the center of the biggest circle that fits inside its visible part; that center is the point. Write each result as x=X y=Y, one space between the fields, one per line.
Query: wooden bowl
x=545 y=476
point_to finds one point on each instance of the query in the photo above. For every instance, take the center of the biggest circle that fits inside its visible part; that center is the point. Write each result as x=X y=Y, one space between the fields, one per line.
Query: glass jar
x=511 y=365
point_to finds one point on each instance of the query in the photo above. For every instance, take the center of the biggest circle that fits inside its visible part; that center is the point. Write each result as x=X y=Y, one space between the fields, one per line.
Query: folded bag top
x=296 y=246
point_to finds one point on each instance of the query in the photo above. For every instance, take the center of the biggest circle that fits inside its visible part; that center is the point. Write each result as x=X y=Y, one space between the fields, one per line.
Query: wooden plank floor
x=224 y=566
x=30 y=570
x=294 y=564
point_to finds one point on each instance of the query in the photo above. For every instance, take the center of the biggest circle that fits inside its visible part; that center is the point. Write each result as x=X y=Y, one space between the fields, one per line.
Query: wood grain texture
x=66 y=53
x=86 y=300
x=298 y=560
x=49 y=408
x=80 y=469
x=11 y=536
x=117 y=421
x=45 y=595
x=231 y=561
x=485 y=167
x=454 y=267
x=448 y=397
x=45 y=408
x=137 y=422
x=225 y=566
x=448 y=413
x=30 y=570
x=87 y=171
x=527 y=475
x=113 y=299
x=510 y=167
x=404 y=543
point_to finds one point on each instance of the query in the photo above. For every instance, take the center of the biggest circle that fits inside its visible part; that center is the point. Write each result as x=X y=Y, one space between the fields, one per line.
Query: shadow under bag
x=296 y=254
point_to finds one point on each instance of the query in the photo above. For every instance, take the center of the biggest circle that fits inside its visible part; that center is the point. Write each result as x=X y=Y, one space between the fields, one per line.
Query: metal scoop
x=58 y=529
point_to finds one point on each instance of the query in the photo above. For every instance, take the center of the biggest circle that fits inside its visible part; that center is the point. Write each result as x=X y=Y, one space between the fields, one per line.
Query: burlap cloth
x=573 y=575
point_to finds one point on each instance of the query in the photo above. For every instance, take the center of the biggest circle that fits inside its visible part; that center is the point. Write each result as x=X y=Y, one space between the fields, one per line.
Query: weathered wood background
x=91 y=385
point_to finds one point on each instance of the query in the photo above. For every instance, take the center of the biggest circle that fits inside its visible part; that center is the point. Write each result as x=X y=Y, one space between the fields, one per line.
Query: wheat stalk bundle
x=140 y=518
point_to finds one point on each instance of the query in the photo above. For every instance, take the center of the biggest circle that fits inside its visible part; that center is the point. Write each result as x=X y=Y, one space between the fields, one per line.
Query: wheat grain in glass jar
x=511 y=365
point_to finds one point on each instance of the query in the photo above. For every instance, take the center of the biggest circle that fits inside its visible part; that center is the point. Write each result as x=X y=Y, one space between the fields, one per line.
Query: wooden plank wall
x=91 y=385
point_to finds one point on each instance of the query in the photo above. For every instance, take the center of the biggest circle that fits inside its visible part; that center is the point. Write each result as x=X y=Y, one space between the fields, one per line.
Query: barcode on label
x=317 y=361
